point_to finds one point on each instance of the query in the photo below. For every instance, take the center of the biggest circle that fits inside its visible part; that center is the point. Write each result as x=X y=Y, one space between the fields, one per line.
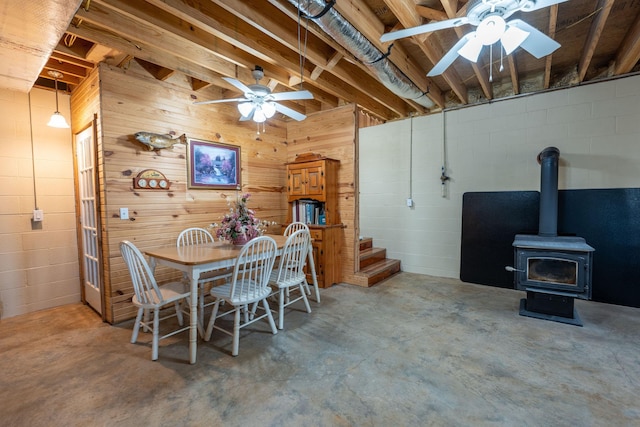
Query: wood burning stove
x=552 y=269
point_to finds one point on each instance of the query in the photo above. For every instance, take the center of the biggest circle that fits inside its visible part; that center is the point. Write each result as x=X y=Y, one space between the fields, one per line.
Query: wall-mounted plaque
x=151 y=179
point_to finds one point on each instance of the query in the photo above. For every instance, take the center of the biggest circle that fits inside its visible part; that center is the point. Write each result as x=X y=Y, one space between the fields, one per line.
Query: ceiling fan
x=490 y=18
x=259 y=103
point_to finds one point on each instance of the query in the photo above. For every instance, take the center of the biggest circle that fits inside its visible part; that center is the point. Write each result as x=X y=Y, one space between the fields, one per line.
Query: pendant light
x=57 y=120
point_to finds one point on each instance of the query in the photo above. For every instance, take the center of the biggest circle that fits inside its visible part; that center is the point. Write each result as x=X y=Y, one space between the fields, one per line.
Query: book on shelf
x=308 y=212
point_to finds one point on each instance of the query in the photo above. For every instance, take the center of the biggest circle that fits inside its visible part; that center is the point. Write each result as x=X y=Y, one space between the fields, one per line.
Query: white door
x=85 y=159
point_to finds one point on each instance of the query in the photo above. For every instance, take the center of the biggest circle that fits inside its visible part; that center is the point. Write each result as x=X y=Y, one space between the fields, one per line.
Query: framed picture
x=212 y=165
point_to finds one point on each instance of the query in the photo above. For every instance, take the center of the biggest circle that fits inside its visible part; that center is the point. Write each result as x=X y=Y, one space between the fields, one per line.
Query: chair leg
x=136 y=326
x=236 y=331
x=304 y=298
x=212 y=320
x=179 y=313
x=281 y=298
x=156 y=329
x=265 y=304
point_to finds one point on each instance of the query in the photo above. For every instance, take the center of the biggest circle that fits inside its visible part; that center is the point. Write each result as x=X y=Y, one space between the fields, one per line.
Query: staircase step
x=379 y=271
x=371 y=256
x=366 y=243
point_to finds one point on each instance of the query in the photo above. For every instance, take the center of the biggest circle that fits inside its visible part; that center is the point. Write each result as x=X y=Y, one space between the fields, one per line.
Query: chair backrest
x=294 y=257
x=194 y=236
x=293 y=227
x=253 y=268
x=144 y=284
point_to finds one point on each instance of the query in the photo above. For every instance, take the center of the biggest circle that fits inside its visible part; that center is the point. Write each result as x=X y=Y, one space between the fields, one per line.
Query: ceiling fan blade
x=217 y=101
x=426 y=28
x=539 y=4
x=537 y=44
x=450 y=56
x=290 y=112
x=238 y=84
x=285 y=96
x=471 y=49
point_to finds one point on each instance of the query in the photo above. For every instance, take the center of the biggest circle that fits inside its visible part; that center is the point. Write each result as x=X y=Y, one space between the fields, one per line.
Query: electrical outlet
x=124 y=213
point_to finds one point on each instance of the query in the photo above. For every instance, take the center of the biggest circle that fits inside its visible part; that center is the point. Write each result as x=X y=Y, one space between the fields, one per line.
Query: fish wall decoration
x=156 y=141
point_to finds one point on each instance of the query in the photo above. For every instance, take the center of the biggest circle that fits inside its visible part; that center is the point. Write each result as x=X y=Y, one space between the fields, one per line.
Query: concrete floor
x=412 y=351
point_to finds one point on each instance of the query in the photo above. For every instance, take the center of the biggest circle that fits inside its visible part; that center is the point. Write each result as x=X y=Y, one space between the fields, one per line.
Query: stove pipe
x=548 y=223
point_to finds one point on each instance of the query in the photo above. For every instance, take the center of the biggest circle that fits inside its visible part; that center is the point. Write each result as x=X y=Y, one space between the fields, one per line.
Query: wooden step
x=379 y=271
x=371 y=256
x=366 y=243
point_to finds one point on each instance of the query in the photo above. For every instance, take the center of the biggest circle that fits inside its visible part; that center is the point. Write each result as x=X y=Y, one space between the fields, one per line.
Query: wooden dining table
x=193 y=260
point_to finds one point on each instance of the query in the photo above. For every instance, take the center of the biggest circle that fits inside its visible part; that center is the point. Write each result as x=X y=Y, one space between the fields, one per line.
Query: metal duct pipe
x=341 y=30
x=548 y=223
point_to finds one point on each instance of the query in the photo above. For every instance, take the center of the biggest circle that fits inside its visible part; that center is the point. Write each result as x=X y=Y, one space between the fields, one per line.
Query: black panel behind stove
x=608 y=219
x=489 y=220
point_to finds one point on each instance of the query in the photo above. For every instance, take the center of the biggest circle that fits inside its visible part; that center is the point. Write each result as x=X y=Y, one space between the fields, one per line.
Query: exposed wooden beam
x=219 y=22
x=597 y=25
x=513 y=72
x=157 y=71
x=553 y=21
x=429 y=13
x=366 y=22
x=628 y=54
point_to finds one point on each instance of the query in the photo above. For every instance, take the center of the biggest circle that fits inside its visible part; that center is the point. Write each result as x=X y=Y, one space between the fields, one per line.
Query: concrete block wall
x=492 y=147
x=38 y=263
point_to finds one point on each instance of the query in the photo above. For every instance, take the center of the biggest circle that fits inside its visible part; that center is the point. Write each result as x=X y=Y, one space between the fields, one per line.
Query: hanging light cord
x=33 y=158
x=302 y=52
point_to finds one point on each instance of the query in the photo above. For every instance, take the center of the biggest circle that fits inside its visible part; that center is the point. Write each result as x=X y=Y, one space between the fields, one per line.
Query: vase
x=240 y=240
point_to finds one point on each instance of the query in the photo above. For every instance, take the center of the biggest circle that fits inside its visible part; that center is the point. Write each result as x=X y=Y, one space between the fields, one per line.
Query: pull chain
x=491 y=64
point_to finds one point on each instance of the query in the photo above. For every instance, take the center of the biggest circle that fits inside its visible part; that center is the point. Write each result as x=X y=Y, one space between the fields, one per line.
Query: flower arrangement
x=240 y=224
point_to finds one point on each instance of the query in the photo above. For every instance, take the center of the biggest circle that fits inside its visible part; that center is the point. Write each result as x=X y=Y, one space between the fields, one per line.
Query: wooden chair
x=249 y=284
x=292 y=228
x=290 y=275
x=149 y=296
x=196 y=236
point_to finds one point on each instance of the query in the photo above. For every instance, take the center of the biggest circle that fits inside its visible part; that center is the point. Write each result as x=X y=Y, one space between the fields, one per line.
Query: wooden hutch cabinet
x=313 y=199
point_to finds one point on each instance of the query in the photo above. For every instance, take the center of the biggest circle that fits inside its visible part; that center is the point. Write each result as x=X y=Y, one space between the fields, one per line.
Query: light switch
x=38 y=215
x=124 y=213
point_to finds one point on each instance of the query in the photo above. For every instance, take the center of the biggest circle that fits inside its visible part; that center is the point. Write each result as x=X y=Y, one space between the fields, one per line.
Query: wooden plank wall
x=132 y=101
x=334 y=134
x=128 y=101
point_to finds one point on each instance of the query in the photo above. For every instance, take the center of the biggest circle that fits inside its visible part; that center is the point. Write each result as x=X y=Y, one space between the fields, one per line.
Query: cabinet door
x=297 y=180
x=315 y=180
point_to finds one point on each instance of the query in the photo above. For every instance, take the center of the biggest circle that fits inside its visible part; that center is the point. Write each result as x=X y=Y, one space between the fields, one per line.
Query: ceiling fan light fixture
x=269 y=109
x=245 y=108
x=512 y=38
x=491 y=29
x=471 y=49
x=259 y=116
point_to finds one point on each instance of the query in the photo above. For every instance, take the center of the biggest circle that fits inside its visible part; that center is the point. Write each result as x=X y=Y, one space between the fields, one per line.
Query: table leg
x=193 y=318
x=313 y=274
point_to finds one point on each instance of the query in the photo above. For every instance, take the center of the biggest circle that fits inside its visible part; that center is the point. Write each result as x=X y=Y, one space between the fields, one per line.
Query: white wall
x=490 y=148
x=38 y=266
